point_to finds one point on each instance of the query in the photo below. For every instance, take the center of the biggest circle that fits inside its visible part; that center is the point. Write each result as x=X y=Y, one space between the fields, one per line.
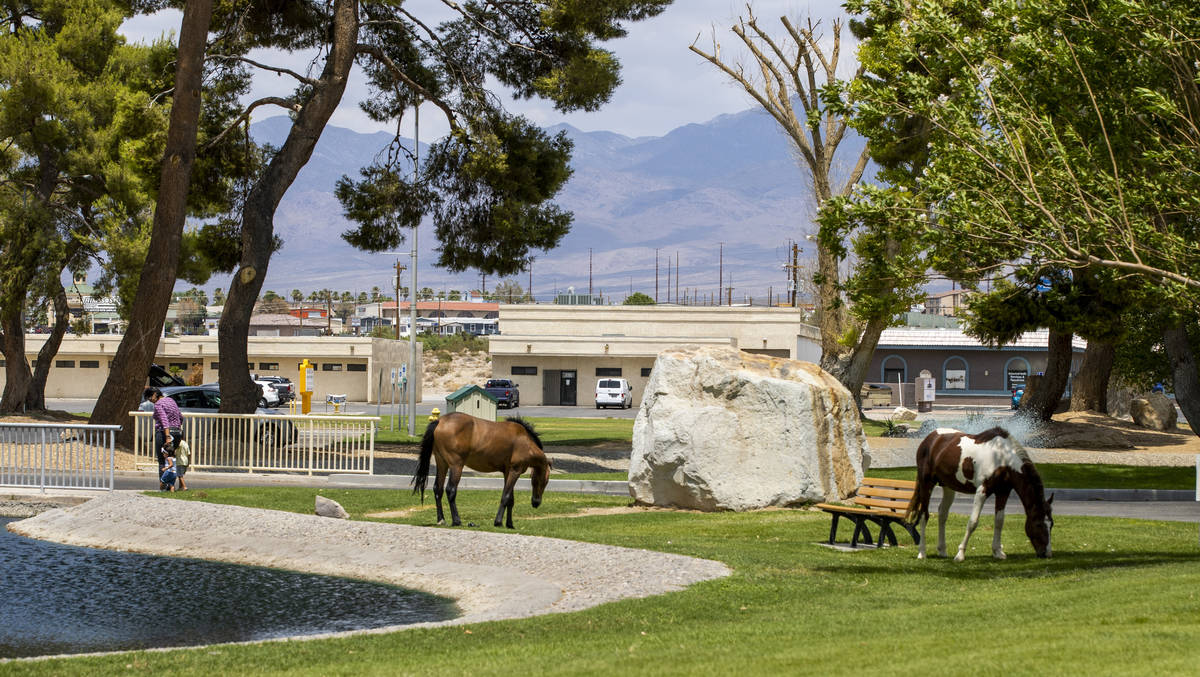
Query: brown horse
x=458 y=440
x=984 y=464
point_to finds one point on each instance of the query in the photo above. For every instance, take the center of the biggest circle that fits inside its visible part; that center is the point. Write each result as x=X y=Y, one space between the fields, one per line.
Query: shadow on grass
x=1018 y=565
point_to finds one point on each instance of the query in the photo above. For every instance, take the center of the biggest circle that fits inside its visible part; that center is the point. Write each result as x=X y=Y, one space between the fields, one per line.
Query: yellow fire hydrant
x=433 y=415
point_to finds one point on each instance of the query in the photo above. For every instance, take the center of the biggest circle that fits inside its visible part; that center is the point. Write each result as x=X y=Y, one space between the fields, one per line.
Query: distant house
x=278 y=324
x=84 y=303
x=443 y=317
x=959 y=363
x=948 y=303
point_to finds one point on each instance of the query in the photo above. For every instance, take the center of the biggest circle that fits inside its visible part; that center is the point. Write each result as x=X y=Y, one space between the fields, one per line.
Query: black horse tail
x=918 y=506
x=421 y=475
x=528 y=428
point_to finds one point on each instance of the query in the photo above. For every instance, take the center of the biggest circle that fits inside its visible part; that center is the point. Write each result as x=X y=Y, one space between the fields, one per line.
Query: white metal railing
x=57 y=455
x=268 y=442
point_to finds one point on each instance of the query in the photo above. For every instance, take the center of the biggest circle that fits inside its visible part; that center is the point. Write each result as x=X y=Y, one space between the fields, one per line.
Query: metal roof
x=907 y=337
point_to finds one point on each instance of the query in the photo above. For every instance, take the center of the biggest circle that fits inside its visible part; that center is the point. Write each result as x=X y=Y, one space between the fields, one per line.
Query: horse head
x=539 y=477
x=1038 y=525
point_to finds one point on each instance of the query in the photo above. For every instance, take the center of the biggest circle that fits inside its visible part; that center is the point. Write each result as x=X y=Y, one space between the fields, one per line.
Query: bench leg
x=833 y=529
x=860 y=527
x=885 y=532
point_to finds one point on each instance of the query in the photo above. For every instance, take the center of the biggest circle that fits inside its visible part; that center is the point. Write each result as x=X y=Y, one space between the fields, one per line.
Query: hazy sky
x=664 y=84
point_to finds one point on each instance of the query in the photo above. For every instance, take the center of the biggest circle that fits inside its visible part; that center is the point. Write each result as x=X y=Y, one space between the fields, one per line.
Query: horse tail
x=528 y=428
x=918 y=505
x=421 y=475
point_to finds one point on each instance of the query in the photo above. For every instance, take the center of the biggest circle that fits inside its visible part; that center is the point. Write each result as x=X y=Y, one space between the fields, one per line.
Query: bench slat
x=876 y=492
x=885 y=482
x=890 y=506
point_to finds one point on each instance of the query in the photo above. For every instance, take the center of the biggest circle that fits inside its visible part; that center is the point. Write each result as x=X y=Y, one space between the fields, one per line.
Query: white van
x=613 y=392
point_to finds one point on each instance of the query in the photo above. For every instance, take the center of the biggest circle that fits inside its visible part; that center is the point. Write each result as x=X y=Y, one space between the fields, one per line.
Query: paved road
x=85 y=406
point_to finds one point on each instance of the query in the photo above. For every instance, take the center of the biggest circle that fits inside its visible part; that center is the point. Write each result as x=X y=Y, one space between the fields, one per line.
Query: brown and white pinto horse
x=988 y=463
x=456 y=440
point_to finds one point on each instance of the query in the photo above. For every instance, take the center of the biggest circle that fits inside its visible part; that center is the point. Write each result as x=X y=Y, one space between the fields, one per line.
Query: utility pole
x=413 y=370
x=399 y=269
x=676 y=276
x=720 y=272
x=531 y=299
x=668 y=279
x=795 y=274
x=729 y=297
x=589 y=274
x=656 y=275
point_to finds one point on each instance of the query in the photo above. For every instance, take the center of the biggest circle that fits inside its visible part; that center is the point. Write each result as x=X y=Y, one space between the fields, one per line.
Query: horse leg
x=976 y=509
x=452 y=494
x=921 y=541
x=943 y=513
x=439 y=487
x=997 y=547
x=507 y=498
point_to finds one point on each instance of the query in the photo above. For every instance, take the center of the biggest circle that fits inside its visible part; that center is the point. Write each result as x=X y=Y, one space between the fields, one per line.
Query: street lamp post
x=412 y=303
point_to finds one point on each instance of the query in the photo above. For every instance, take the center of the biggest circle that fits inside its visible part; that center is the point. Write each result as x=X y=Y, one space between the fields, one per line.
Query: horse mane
x=528 y=428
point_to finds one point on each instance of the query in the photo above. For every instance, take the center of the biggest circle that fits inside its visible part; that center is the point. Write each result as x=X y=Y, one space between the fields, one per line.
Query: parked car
x=160 y=377
x=505 y=391
x=270 y=397
x=875 y=395
x=206 y=399
x=283 y=385
x=614 y=392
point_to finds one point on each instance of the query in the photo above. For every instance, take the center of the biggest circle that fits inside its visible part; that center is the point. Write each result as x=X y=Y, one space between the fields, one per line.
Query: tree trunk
x=131 y=363
x=860 y=359
x=239 y=394
x=1183 y=373
x=35 y=396
x=16 y=370
x=831 y=314
x=1044 y=399
x=1090 y=389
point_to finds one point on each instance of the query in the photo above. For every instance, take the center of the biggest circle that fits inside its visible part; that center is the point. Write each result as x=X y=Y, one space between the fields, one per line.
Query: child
x=167 y=480
x=183 y=459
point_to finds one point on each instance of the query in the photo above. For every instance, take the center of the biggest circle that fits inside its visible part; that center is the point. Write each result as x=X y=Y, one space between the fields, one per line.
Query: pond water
x=65 y=599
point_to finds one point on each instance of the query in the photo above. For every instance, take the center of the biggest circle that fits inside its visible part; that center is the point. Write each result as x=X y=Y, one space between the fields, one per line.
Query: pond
x=67 y=599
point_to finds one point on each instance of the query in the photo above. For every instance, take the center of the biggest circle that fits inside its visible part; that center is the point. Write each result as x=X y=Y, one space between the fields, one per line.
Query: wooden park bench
x=879 y=501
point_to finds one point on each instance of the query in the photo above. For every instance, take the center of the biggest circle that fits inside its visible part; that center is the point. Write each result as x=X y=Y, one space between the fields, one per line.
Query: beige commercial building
x=351 y=366
x=556 y=353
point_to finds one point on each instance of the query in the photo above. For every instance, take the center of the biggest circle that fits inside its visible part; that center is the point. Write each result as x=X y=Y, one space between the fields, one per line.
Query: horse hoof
x=959 y=557
x=920 y=555
x=441 y=523
x=999 y=555
x=457 y=523
x=497 y=523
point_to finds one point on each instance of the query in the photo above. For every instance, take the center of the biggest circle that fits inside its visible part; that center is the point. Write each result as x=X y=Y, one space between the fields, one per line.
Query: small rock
x=903 y=414
x=327 y=507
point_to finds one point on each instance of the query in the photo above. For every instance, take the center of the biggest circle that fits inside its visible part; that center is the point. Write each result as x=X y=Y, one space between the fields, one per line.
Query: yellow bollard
x=433 y=415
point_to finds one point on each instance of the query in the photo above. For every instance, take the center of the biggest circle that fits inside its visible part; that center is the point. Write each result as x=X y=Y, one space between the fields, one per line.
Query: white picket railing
x=268 y=442
x=57 y=455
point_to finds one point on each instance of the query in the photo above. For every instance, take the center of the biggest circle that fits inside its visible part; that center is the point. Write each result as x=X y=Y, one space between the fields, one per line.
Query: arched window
x=1016 y=371
x=955 y=375
x=892 y=369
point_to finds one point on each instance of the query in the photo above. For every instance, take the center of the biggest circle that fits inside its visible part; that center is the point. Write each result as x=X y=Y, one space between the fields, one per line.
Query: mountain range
x=724 y=197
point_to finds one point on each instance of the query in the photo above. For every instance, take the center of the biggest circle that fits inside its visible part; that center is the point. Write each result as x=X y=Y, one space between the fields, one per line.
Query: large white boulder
x=720 y=429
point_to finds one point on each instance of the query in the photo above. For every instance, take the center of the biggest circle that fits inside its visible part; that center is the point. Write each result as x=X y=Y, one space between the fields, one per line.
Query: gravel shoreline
x=490 y=575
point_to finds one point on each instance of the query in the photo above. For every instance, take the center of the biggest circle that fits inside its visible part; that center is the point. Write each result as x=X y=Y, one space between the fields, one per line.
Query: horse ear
x=1051 y=499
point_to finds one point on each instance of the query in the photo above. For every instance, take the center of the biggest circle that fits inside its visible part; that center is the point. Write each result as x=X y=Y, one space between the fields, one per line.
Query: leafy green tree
x=637 y=298
x=218 y=298
x=1042 y=138
x=79 y=125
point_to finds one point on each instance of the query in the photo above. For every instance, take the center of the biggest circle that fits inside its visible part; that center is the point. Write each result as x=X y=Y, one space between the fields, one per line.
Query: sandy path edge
x=490 y=575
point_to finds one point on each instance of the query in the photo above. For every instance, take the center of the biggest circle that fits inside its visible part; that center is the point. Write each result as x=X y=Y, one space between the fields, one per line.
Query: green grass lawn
x=1119 y=597
x=553 y=431
x=1087 y=476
